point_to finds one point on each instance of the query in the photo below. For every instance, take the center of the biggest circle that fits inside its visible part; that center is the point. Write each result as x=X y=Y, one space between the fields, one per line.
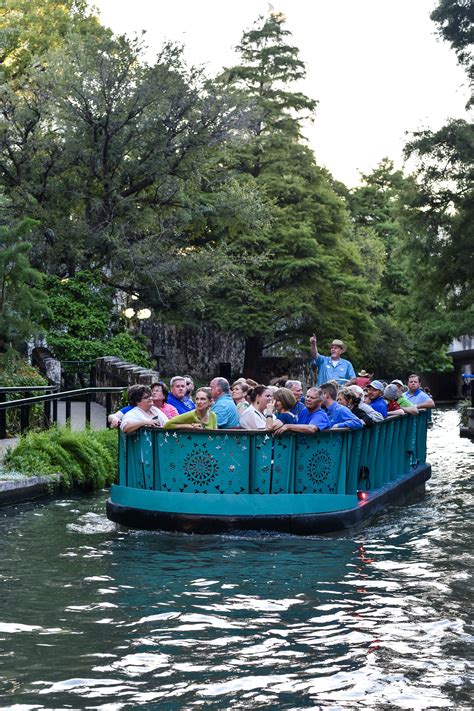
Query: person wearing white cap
x=332 y=367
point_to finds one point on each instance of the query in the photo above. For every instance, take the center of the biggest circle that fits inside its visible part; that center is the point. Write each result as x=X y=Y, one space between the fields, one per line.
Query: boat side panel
x=295 y=523
x=230 y=504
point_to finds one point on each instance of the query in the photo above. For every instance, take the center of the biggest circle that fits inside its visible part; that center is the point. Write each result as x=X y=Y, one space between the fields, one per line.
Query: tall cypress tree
x=303 y=258
x=22 y=301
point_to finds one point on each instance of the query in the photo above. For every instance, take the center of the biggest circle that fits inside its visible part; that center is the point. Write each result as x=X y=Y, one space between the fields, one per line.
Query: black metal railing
x=50 y=401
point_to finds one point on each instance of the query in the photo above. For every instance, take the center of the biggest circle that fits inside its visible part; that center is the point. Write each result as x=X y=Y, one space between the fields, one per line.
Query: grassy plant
x=84 y=459
x=463 y=407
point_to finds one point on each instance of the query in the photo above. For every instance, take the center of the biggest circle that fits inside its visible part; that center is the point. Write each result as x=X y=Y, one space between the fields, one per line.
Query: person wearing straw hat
x=363 y=378
x=332 y=367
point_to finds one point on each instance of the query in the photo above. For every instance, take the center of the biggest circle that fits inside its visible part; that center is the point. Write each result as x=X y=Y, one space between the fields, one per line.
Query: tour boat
x=211 y=481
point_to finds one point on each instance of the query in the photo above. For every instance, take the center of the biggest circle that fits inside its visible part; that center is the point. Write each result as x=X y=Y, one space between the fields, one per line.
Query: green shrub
x=85 y=459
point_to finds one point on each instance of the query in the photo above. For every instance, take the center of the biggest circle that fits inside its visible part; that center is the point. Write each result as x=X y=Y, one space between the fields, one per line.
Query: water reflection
x=95 y=617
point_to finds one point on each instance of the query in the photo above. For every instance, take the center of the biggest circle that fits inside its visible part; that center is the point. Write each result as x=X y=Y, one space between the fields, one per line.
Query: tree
x=379 y=233
x=30 y=28
x=109 y=154
x=455 y=20
x=84 y=324
x=445 y=210
x=443 y=298
x=22 y=301
x=304 y=279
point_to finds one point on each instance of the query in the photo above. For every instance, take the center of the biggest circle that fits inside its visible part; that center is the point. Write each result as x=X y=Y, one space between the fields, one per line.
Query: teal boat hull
x=308 y=523
x=220 y=481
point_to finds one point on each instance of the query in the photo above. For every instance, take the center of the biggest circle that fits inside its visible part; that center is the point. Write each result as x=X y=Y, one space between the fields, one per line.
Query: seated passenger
x=312 y=419
x=353 y=402
x=402 y=399
x=339 y=415
x=363 y=406
x=223 y=405
x=189 y=382
x=142 y=412
x=375 y=392
x=258 y=416
x=115 y=418
x=363 y=379
x=239 y=396
x=342 y=395
x=199 y=418
x=296 y=388
x=391 y=396
x=416 y=395
x=177 y=397
x=159 y=393
x=285 y=402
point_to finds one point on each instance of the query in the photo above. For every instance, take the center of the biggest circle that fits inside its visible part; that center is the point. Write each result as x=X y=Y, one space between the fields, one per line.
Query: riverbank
x=17 y=488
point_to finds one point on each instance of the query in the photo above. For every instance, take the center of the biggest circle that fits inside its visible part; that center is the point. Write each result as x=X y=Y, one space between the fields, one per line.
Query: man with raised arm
x=332 y=367
x=223 y=405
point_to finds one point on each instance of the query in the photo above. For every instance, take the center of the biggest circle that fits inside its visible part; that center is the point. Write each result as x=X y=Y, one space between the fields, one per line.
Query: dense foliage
x=22 y=299
x=303 y=247
x=84 y=459
x=199 y=196
x=91 y=326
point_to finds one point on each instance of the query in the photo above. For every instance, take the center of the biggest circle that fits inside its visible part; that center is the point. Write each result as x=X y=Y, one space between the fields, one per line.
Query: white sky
x=376 y=67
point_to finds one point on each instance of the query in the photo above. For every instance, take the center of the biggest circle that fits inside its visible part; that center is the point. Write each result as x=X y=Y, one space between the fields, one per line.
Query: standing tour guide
x=332 y=367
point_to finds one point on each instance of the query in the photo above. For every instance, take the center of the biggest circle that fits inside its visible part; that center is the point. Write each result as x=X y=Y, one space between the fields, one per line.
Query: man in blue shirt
x=312 y=418
x=296 y=388
x=223 y=406
x=332 y=367
x=177 y=396
x=416 y=395
x=339 y=415
x=375 y=391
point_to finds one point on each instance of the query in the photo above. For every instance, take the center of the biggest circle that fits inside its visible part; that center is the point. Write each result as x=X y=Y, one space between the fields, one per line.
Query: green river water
x=95 y=617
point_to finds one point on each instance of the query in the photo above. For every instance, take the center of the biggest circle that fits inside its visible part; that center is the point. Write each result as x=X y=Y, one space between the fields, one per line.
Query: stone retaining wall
x=200 y=351
x=114 y=372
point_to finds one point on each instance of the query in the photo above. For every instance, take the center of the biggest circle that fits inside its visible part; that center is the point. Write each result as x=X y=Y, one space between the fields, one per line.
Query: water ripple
x=112 y=619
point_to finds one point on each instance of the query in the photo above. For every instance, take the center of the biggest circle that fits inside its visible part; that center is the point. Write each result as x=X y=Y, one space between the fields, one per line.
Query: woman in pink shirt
x=159 y=393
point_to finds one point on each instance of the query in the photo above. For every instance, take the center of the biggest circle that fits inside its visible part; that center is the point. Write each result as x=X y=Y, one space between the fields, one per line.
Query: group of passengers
x=343 y=401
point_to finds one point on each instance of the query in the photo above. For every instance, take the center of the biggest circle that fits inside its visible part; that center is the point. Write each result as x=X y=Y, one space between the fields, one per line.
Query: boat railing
x=334 y=462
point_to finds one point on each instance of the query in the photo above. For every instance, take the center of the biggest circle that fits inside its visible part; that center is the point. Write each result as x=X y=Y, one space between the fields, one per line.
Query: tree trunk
x=253 y=351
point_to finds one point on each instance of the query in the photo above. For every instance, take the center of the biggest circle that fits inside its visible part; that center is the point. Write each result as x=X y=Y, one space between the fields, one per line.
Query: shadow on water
x=97 y=617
